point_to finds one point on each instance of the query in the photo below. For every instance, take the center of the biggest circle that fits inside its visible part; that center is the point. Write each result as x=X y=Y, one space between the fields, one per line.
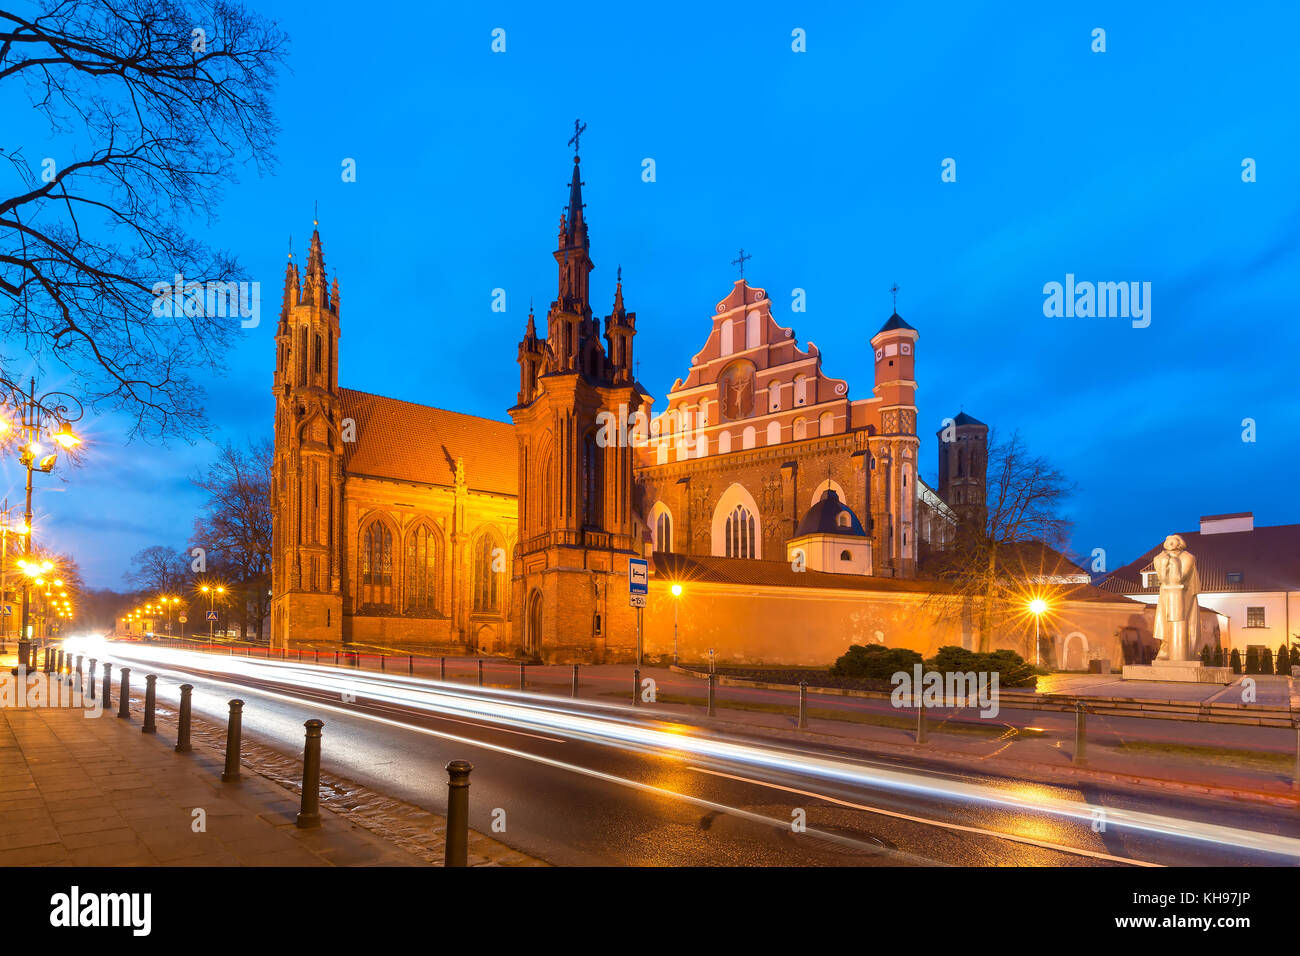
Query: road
x=591 y=782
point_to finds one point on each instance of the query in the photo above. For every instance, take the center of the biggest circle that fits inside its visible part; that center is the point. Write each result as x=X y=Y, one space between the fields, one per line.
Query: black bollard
x=480 y=672
x=233 y=733
x=49 y=659
x=713 y=680
x=521 y=675
x=150 y=703
x=183 y=721
x=442 y=668
x=309 y=812
x=383 y=662
x=108 y=685
x=90 y=685
x=124 y=694
x=1080 y=734
x=920 y=716
x=636 y=687
x=458 y=772
x=575 y=681
x=79 y=682
x=803 y=705
x=410 y=664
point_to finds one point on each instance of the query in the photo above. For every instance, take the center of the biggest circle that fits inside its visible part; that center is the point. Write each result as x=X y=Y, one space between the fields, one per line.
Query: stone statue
x=1177 y=626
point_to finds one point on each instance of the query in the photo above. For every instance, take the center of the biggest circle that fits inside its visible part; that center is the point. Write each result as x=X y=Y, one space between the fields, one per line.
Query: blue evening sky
x=825 y=165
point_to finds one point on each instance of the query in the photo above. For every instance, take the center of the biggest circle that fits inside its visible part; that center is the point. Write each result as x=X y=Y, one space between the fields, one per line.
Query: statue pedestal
x=1189 y=672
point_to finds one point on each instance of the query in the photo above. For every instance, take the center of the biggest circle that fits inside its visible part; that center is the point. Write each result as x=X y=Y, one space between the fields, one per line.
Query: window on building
x=845 y=556
x=800 y=429
x=1255 y=617
x=422 y=579
x=800 y=390
x=727 y=348
x=1234 y=577
x=747 y=437
x=316 y=356
x=774 y=433
x=843 y=520
x=593 y=486
x=377 y=566
x=664 y=532
x=487 y=580
x=740 y=534
x=826 y=424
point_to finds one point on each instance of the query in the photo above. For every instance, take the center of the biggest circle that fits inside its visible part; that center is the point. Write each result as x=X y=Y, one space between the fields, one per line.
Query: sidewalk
x=95 y=791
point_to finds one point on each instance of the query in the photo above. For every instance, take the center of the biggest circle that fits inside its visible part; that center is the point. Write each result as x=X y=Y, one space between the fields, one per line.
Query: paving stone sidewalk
x=97 y=792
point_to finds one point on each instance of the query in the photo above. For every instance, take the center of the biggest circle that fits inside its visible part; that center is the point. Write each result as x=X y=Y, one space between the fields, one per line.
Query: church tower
x=307 y=468
x=963 y=466
x=576 y=528
x=894 y=450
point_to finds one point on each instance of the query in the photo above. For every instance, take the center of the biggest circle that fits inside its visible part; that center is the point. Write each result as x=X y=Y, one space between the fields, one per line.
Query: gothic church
x=401 y=524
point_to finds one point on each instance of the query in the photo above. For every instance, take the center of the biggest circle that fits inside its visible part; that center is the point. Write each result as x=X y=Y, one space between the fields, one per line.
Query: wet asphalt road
x=573 y=800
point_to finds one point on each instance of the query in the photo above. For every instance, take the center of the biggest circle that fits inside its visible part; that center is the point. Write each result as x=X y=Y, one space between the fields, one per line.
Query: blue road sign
x=6 y=609
x=638 y=576
x=212 y=615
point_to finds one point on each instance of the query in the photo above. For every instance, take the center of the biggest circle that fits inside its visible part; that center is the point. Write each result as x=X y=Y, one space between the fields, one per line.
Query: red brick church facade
x=480 y=536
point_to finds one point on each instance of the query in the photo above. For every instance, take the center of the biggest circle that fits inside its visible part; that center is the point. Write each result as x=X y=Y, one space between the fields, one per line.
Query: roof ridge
x=436 y=408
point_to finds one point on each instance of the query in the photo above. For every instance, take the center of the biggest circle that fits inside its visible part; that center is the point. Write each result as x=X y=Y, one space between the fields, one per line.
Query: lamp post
x=1037 y=606
x=212 y=593
x=677 y=594
x=34 y=414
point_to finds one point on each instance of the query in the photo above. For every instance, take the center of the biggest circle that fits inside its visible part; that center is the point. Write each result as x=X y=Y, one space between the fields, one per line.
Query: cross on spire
x=315 y=212
x=740 y=261
x=894 y=289
x=578 y=128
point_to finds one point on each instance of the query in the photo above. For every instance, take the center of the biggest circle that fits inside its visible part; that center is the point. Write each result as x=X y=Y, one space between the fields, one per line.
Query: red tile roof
x=1268 y=559
x=418 y=443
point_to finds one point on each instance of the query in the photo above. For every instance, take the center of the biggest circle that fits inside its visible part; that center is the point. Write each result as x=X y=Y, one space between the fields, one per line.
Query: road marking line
x=937 y=823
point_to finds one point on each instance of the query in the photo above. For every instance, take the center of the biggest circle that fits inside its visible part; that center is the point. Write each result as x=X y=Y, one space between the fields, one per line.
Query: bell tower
x=894 y=450
x=307 y=467
x=576 y=529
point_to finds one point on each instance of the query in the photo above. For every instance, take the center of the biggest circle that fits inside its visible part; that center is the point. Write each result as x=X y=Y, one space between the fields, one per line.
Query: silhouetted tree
x=151 y=106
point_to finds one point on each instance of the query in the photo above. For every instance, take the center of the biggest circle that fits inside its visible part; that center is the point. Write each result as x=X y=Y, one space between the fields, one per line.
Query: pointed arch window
x=423 y=577
x=664 y=532
x=487 y=579
x=593 y=482
x=377 y=566
x=740 y=533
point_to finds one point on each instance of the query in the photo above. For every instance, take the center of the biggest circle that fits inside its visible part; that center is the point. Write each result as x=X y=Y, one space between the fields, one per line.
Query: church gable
x=403 y=441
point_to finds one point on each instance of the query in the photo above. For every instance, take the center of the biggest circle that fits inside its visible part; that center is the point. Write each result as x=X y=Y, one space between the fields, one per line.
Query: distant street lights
x=34 y=415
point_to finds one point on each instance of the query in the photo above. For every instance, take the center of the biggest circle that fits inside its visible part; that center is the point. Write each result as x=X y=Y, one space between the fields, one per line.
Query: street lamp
x=33 y=416
x=212 y=593
x=1037 y=606
x=677 y=593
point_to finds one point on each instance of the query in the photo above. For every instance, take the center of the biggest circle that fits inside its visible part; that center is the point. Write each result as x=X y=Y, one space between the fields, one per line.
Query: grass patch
x=1223 y=757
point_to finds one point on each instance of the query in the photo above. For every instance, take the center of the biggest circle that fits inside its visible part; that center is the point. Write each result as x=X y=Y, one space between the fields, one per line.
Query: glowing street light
x=677 y=594
x=1037 y=607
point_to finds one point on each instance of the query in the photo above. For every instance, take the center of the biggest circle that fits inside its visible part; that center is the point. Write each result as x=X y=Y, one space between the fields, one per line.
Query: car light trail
x=624 y=727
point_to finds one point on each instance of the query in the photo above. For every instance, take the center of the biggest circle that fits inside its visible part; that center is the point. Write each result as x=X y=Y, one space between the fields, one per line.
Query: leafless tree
x=157 y=570
x=998 y=558
x=145 y=109
x=235 y=527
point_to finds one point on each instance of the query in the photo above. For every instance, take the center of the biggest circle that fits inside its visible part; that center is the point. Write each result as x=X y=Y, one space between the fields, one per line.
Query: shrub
x=1252 y=660
x=1218 y=655
x=1012 y=669
x=1266 y=661
x=1205 y=655
x=1283 y=661
x=874 y=661
x=1235 y=661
